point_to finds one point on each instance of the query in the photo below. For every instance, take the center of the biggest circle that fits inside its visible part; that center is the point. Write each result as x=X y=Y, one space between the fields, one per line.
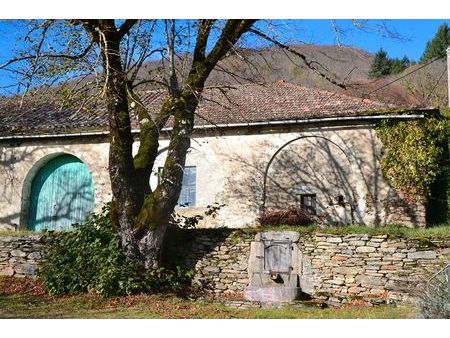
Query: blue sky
x=414 y=34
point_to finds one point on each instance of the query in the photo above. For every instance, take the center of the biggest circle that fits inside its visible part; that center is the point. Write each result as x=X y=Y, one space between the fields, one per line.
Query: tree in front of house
x=110 y=55
x=107 y=61
x=437 y=47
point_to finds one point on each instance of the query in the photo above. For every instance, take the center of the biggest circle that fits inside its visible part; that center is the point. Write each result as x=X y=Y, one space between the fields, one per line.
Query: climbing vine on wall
x=413 y=154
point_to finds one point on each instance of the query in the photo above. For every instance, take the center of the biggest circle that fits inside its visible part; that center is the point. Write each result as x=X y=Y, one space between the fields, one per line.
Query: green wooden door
x=62 y=193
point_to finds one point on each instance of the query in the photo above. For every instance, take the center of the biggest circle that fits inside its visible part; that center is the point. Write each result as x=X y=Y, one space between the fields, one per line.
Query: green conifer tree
x=381 y=65
x=437 y=47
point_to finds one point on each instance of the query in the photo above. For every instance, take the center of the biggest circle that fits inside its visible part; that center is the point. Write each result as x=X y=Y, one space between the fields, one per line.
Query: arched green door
x=62 y=194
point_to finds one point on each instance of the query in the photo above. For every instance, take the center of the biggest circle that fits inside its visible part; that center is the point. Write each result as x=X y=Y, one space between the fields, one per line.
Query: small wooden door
x=62 y=194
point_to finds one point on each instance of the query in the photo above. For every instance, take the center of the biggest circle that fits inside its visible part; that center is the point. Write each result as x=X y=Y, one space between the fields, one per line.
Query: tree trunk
x=151 y=245
x=153 y=218
x=121 y=168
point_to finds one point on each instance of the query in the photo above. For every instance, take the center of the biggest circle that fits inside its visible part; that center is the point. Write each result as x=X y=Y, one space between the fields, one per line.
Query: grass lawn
x=392 y=230
x=23 y=298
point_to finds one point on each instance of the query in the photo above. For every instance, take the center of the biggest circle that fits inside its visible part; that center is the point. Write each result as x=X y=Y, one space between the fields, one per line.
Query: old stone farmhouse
x=273 y=146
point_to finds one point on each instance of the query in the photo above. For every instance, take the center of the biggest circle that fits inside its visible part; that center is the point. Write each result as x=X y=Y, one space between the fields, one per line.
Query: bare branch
x=202 y=39
x=48 y=56
x=169 y=28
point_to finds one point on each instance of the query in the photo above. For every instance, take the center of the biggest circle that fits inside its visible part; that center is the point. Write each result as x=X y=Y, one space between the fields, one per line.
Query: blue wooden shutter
x=187 y=195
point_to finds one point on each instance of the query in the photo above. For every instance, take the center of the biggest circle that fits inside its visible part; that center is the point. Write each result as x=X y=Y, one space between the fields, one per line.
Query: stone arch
x=329 y=150
x=36 y=170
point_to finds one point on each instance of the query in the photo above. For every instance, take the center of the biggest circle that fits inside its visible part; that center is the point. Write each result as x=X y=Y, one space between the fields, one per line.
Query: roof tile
x=238 y=104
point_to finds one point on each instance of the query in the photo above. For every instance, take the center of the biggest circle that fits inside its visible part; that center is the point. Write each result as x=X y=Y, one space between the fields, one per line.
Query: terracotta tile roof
x=237 y=104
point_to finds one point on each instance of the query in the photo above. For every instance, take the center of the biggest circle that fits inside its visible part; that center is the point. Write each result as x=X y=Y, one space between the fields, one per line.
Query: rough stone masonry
x=335 y=269
x=20 y=255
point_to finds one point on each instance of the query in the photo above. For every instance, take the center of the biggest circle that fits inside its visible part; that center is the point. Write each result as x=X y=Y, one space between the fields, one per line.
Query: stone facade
x=20 y=162
x=332 y=162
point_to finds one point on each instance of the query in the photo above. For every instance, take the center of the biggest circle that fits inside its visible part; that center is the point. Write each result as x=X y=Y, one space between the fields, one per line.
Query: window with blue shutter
x=187 y=194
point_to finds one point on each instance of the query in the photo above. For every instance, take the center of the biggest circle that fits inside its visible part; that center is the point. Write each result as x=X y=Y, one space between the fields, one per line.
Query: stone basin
x=272 y=294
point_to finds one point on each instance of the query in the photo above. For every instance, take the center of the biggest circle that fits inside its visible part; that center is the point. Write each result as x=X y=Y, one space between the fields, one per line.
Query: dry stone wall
x=336 y=269
x=20 y=255
x=374 y=269
x=219 y=258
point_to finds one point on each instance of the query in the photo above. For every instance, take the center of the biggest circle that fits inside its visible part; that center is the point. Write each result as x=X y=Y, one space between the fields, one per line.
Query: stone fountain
x=274 y=267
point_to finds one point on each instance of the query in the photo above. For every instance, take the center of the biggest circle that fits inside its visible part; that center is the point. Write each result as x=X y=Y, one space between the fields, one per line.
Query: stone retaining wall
x=334 y=268
x=219 y=257
x=20 y=255
x=375 y=269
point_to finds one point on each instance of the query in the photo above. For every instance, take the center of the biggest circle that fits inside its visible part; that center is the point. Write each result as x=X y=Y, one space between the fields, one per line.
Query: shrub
x=289 y=217
x=89 y=259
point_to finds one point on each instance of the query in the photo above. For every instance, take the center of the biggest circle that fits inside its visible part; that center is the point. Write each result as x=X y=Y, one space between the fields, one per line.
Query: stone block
x=34 y=256
x=339 y=258
x=422 y=255
x=293 y=236
x=375 y=254
x=334 y=240
x=389 y=249
x=368 y=280
x=349 y=280
x=357 y=243
x=211 y=270
x=307 y=283
x=6 y=271
x=255 y=260
x=401 y=245
x=271 y=294
x=348 y=270
x=347 y=252
x=18 y=253
x=337 y=281
x=296 y=260
x=26 y=269
x=365 y=249
x=355 y=290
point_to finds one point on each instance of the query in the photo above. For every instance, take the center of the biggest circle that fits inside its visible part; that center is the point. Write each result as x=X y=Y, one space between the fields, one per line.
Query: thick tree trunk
x=158 y=206
x=151 y=246
x=121 y=168
x=140 y=214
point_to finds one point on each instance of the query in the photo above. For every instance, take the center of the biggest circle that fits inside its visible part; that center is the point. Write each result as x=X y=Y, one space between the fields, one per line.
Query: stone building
x=274 y=146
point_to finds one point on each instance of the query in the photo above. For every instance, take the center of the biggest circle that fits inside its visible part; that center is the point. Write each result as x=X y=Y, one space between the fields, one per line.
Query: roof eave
x=403 y=114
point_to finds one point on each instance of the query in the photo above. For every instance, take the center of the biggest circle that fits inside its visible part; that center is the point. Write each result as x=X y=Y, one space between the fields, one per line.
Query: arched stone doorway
x=314 y=173
x=58 y=192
